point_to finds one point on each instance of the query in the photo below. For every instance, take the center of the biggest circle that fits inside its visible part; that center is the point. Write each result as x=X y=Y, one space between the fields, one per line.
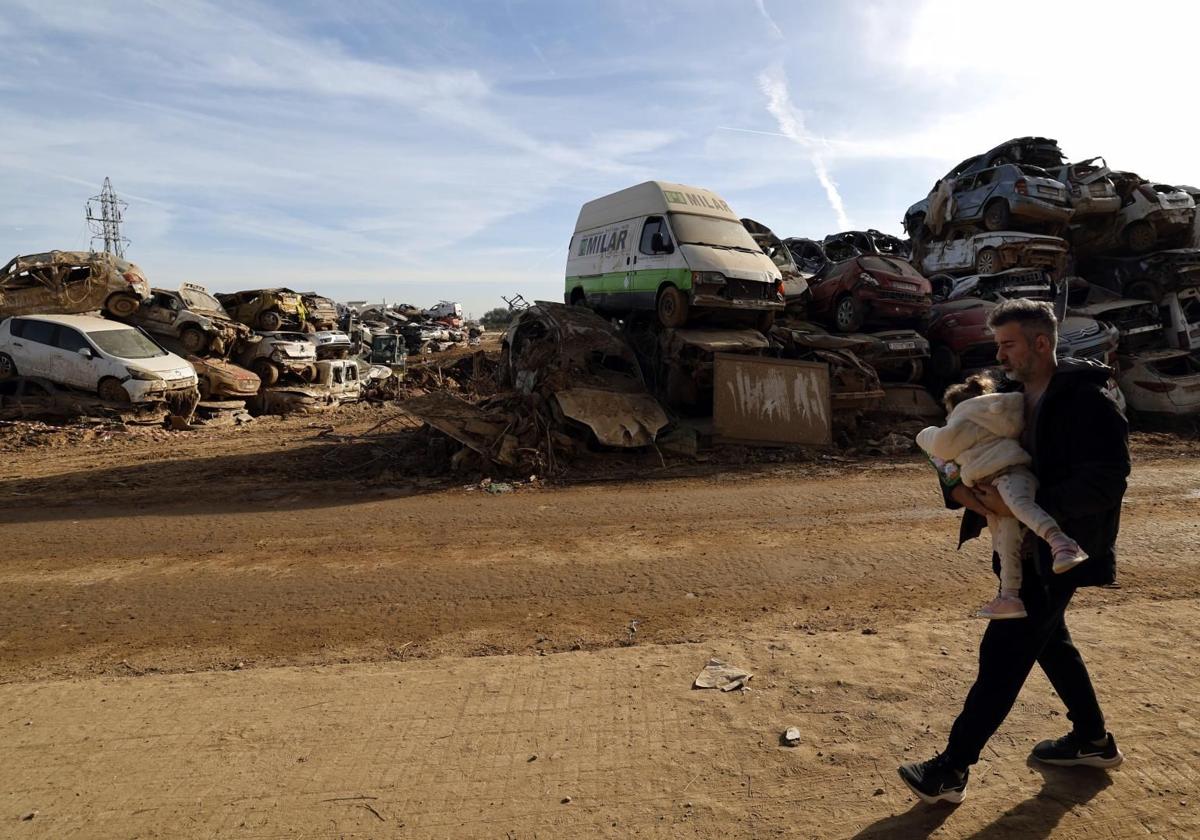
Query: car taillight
x=779 y=289
x=1021 y=187
x=1156 y=387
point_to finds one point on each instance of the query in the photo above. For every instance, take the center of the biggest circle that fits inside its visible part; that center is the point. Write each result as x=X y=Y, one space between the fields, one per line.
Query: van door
x=650 y=263
x=70 y=367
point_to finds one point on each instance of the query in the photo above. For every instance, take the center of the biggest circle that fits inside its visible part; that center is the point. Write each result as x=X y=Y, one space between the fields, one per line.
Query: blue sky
x=419 y=151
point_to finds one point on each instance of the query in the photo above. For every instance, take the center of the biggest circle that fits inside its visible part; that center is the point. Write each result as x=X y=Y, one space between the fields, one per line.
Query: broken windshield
x=200 y=300
x=691 y=229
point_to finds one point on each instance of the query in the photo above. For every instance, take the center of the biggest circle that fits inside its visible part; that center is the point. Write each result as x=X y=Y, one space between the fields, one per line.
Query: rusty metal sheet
x=716 y=341
x=773 y=401
x=617 y=419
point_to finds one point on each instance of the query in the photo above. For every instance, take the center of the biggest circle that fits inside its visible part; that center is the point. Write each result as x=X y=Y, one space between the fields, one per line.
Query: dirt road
x=131 y=562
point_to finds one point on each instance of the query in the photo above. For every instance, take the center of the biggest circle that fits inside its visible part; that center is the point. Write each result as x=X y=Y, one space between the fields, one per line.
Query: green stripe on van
x=644 y=280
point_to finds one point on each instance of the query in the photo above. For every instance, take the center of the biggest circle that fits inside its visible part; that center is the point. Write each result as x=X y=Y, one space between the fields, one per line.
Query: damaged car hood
x=617 y=419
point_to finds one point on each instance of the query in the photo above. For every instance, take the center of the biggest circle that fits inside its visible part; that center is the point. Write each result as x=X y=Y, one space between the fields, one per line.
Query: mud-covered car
x=1014 y=283
x=1161 y=382
x=1001 y=198
x=988 y=253
x=579 y=362
x=1151 y=276
x=319 y=311
x=872 y=241
x=273 y=355
x=69 y=283
x=795 y=281
x=192 y=316
x=331 y=344
x=220 y=379
x=1152 y=216
x=269 y=310
x=1089 y=186
x=1035 y=151
x=870 y=289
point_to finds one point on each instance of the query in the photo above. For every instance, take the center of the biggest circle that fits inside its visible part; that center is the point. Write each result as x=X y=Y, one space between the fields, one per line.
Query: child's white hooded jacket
x=981 y=436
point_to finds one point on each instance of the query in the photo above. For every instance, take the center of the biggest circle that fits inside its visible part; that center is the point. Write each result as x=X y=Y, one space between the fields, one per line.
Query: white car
x=1162 y=382
x=990 y=253
x=118 y=362
x=331 y=344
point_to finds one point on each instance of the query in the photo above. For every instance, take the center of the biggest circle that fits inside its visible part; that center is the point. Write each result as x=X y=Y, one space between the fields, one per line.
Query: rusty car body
x=319 y=311
x=999 y=198
x=269 y=310
x=1151 y=276
x=1089 y=186
x=585 y=368
x=854 y=384
x=1151 y=216
x=987 y=253
x=192 y=316
x=273 y=355
x=71 y=283
x=220 y=379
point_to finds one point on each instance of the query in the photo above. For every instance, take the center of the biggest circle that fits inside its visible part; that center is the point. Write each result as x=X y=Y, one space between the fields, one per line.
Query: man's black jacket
x=1081 y=460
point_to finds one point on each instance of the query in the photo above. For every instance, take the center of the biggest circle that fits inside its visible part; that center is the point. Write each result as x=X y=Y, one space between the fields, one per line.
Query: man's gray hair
x=1036 y=317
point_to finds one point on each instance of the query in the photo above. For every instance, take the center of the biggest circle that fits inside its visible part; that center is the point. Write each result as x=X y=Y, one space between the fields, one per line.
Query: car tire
x=996 y=216
x=672 y=307
x=309 y=374
x=266 y=371
x=194 y=340
x=111 y=390
x=916 y=371
x=848 y=314
x=578 y=298
x=122 y=305
x=987 y=261
x=1140 y=237
x=8 y=368
x=270 y=321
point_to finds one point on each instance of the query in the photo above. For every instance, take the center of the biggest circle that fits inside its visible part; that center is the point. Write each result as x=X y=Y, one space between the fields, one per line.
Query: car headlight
x=709 y=278
x=143 y=375
x=867 y=279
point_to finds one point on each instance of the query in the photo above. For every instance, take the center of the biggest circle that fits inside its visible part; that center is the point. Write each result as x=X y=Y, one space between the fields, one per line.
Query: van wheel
x=267 y=372
x=848 y=315
x=122 y=305
x=8 y=368
x=578 y=298
x=995 y=217
x=1140 y=237
x=110 y=390
x=270 y=321
x=194 y=340
x=672 y=307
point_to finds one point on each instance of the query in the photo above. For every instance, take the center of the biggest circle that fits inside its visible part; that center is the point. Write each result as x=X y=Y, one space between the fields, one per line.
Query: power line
x=105 y=213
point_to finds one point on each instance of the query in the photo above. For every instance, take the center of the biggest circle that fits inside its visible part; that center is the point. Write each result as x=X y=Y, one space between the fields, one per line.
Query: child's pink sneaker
x=1067 y=553
x=1003 y=606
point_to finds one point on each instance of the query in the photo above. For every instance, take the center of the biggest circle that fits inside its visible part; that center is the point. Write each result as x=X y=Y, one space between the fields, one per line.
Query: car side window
x=71 y=340
x=17 y=327
x=964 y=183
x=40 y=331
x=653 y=225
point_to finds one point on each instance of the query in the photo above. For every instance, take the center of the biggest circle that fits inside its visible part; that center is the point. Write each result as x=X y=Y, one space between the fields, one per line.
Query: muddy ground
x=137 y=564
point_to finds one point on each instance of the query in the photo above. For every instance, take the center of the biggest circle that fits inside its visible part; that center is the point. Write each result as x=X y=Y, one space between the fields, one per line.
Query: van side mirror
x=86 y=352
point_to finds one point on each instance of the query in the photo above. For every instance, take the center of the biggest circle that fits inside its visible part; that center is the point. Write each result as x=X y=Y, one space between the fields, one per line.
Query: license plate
x=902 y=345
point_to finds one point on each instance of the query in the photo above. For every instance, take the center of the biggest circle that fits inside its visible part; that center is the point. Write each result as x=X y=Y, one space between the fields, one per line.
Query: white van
x=671 y=249
x=116 y=361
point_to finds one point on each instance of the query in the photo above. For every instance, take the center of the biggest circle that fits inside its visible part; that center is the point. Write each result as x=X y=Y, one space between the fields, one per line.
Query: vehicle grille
x=908 y=297
x=736 y=288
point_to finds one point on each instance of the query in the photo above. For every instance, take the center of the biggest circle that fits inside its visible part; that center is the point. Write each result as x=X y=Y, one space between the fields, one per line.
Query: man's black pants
x=1006 y=656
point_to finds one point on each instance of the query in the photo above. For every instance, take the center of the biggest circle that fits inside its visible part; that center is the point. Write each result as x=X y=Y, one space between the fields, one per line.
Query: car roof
x=87 y=323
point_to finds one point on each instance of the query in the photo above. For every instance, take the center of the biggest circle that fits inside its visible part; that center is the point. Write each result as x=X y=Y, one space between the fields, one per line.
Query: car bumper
x=1041 y=211
x=142 y=391
x=894 y=306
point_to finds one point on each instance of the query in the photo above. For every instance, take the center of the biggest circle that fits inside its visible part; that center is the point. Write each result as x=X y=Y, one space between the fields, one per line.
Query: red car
x=870 y=289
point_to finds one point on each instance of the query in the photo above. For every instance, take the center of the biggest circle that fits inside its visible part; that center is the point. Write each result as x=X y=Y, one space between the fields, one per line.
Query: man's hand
x=966 y=497
x=992 y=500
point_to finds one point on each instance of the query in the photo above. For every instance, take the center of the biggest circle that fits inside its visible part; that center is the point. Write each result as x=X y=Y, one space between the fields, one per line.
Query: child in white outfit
x=981 y=437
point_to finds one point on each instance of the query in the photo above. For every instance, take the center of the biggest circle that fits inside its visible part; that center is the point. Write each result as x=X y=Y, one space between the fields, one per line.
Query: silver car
x=1090 y=188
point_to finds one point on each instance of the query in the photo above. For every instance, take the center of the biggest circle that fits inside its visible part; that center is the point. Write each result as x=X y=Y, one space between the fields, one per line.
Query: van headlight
x=708 y=278
x=143 y=375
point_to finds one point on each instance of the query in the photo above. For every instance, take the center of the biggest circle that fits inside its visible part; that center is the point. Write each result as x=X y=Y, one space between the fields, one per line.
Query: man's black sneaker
x=935 y=780
x=1072 y=751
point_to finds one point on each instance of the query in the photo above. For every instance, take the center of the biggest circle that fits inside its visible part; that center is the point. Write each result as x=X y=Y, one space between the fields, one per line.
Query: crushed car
x=870 y=289
x=274 y=355
x=1091 y=190
x=585 y=369
x=795 y=282
x=220 y=379
x=331 y=344
x=1035 y=151
x=872 y=241
x=71 y=282
x=269 y=310
x=1161 y=382
x=191 y=316
x=1152 y=216
x=999 y=199
x=1150 y=276
x=119 y=363
x=854 y=384
x=1013 y=283
x=1138 y=322
x=988 y=253
x=320 y=312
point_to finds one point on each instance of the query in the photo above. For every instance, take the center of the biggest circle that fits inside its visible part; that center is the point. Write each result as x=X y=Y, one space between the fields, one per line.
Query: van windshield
x=705 y=230
x=126 y=344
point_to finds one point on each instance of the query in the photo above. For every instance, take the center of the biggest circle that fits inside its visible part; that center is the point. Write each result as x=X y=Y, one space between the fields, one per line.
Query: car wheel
x=995 y=217
x=848 y=314
x=1140 y=237
x=672 y=307
x=110 y=390
x=270 y=321
x=122 y=305
x=205 y=388
x=8 y=368
x=194 y=340
x=578 y=298
x=987 y=261
x=267 y=372
x=916 y=370
x=309 y=374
